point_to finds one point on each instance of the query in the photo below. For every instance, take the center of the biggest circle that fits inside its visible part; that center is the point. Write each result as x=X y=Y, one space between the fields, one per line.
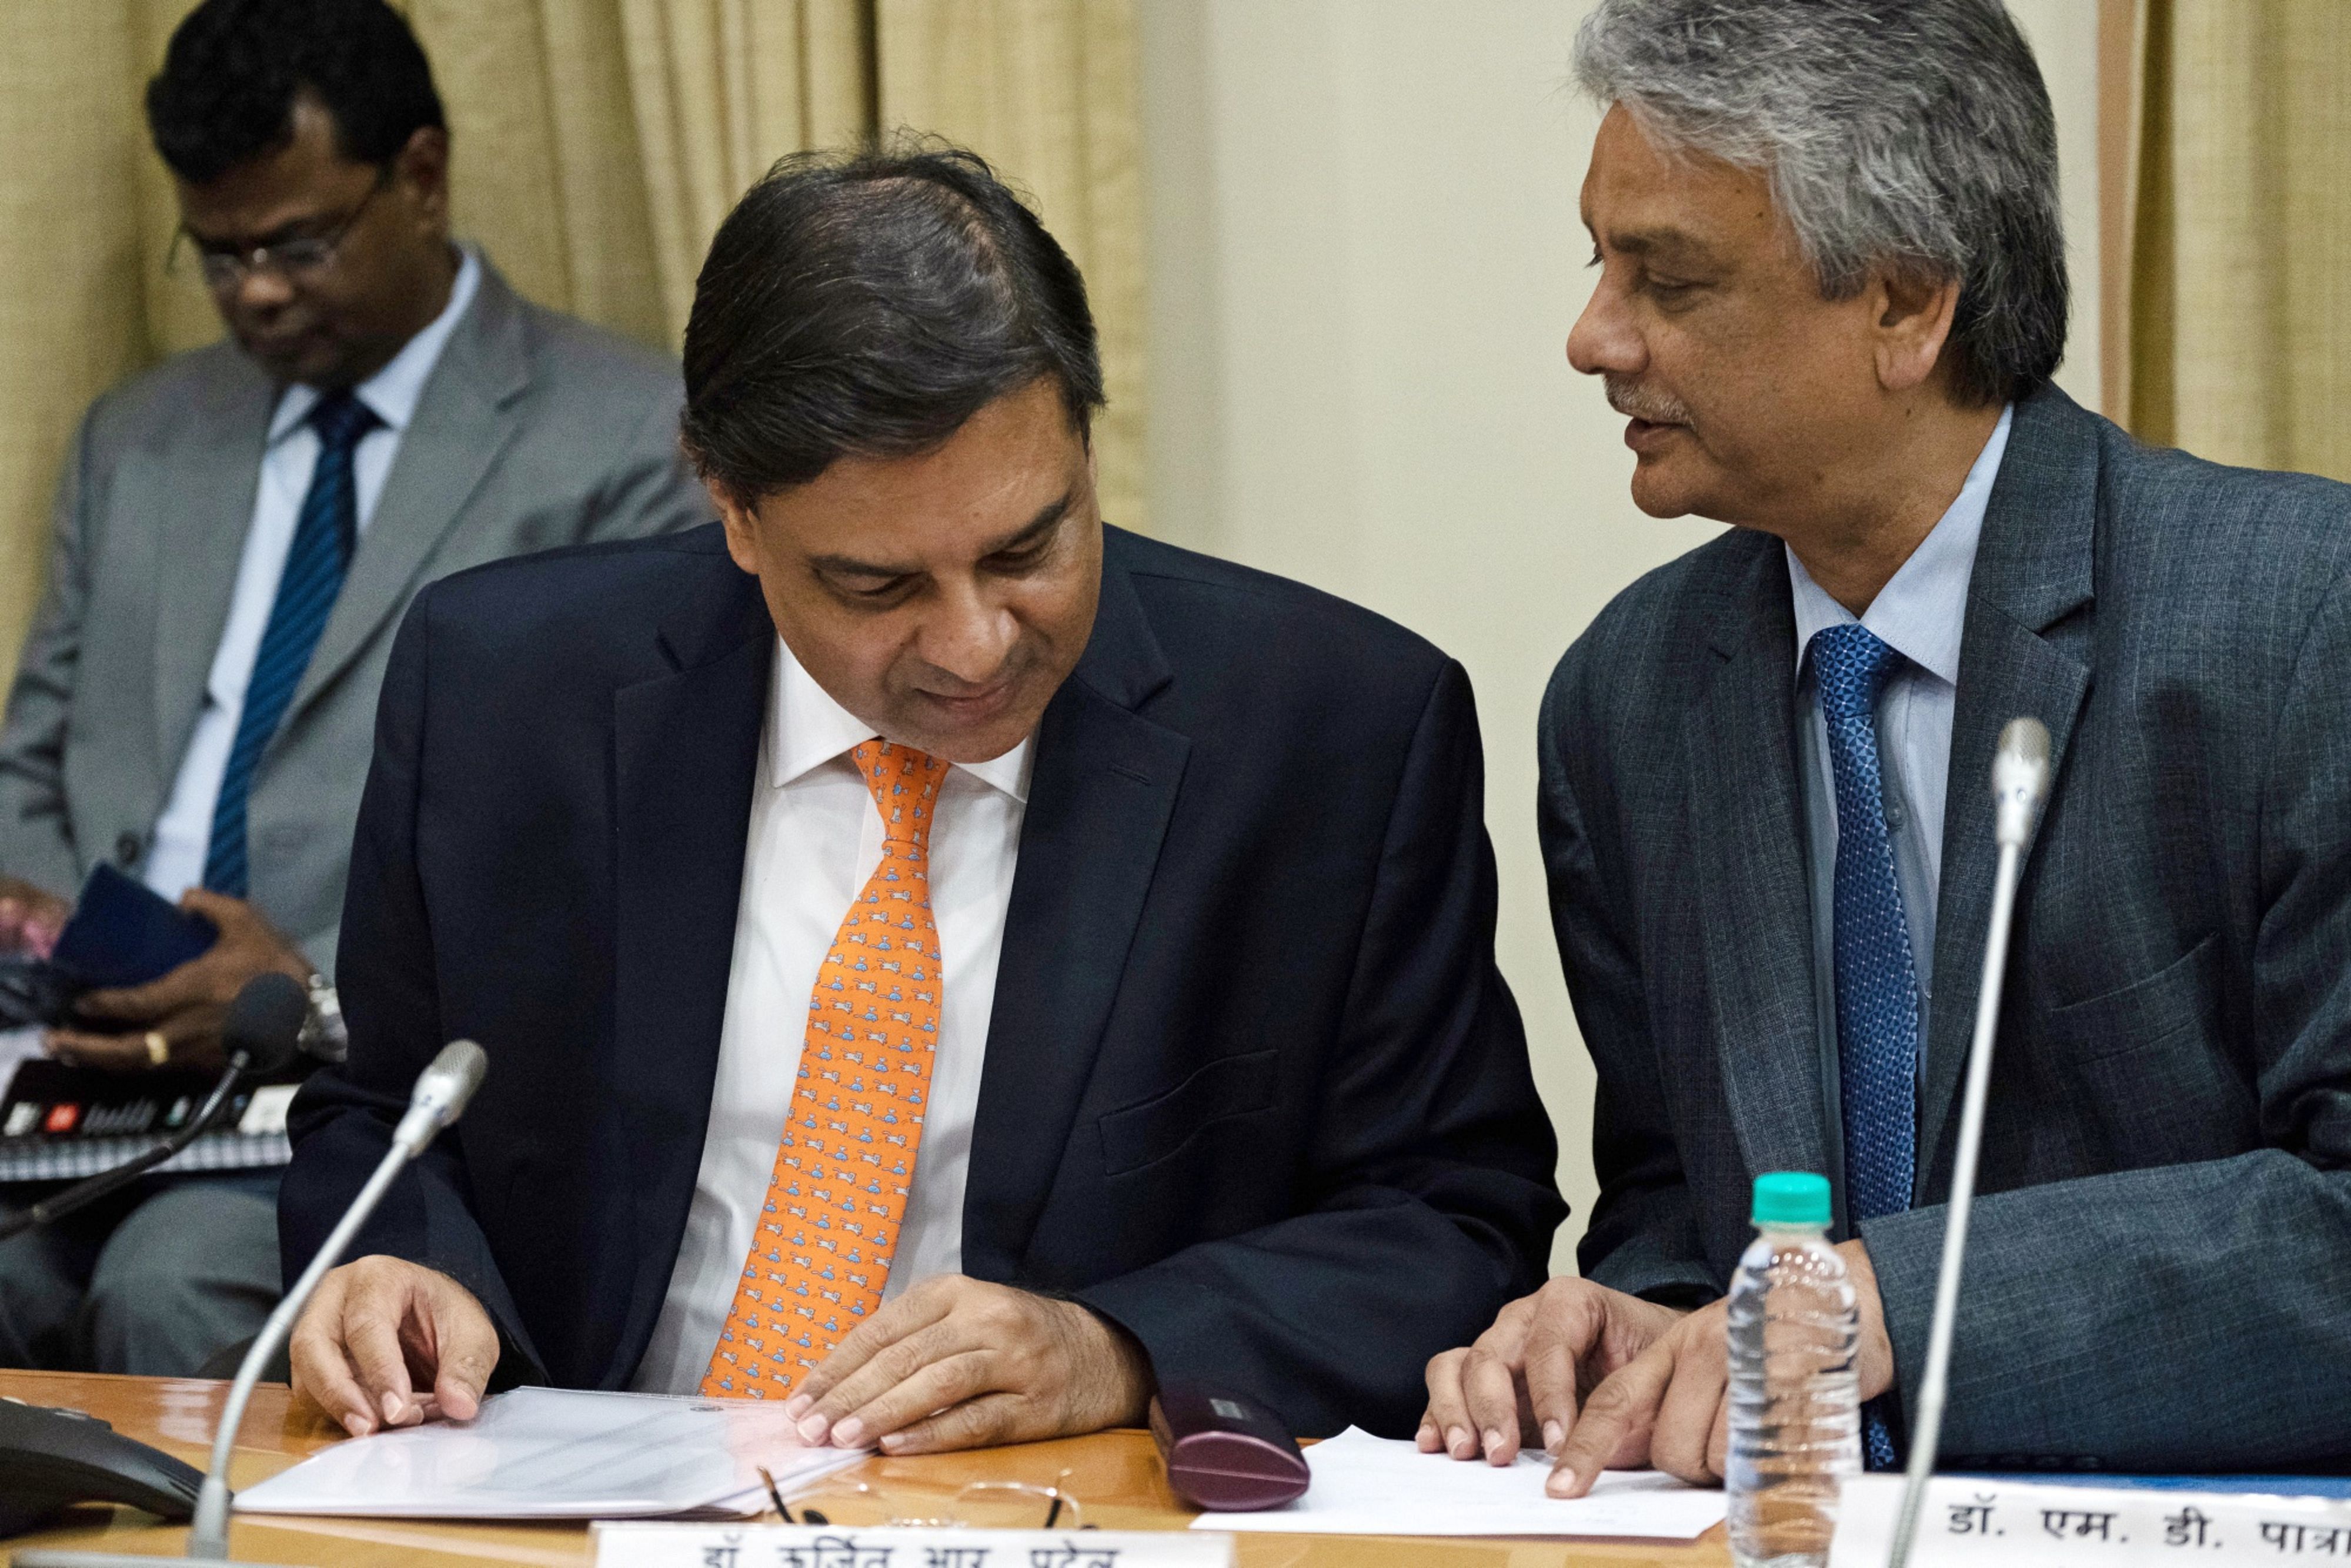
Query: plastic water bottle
x=1795 y=1402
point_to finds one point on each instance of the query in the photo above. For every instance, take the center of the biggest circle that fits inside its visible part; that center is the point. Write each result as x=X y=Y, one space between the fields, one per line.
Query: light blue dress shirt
x=1920 y=614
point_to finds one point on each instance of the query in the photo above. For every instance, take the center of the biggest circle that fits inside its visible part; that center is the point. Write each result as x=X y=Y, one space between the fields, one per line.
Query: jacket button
x=126 y=851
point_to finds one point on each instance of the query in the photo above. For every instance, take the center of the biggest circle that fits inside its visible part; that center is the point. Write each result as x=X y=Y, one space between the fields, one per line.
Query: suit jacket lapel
x=686 y=761
x=2023 y=653
x=1099 y=796
x=465 y=419
x=1745 y=807
x=203 y=509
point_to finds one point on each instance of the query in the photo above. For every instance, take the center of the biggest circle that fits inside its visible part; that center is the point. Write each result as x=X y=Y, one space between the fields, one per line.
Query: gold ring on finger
x=159 y=1050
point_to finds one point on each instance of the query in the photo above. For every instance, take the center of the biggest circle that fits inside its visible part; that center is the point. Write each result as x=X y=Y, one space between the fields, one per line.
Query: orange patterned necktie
x=822 y=1251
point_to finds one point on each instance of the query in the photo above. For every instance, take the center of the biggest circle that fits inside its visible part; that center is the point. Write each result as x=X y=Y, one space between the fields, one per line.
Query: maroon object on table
x=1226 y=1453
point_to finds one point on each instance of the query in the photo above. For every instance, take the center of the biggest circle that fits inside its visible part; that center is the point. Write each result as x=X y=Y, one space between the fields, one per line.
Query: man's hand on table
x=957 y=1363
x=1524 y=1379
x=1653 y=1383
x=379 y=1329
x=186 y=1007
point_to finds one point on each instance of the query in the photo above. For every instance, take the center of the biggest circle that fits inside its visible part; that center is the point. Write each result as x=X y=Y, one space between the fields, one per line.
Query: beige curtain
x=2239 y=231
x=75 y=216
x=598 y=144
x=1046 y=89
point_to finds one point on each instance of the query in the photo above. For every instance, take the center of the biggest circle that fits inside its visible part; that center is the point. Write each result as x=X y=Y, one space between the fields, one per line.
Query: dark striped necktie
x=325 y=533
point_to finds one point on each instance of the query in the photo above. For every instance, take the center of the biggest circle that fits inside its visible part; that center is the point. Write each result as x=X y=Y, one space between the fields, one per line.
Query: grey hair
x=1913 y=136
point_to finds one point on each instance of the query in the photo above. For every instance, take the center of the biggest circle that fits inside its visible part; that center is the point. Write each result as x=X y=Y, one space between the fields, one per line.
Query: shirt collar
x=1923 y=608
x=391 y=393
x=808 y=729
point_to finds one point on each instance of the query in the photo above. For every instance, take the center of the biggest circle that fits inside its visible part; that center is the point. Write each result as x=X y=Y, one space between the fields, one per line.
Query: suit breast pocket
x=1148 y=1131
x=2183 y=994
x=2139 y=1076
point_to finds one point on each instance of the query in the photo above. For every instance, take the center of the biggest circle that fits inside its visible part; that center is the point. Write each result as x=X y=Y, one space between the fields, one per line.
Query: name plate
x=2002 y=1524
x=633 y=1546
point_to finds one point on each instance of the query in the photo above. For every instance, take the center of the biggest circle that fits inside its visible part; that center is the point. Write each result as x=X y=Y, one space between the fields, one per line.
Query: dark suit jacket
x=1253 y=1087
x=2161 y=1277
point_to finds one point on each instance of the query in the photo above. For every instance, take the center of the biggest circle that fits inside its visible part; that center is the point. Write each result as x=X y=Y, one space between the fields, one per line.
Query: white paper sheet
x=552 y=1453
x=1372 y=1486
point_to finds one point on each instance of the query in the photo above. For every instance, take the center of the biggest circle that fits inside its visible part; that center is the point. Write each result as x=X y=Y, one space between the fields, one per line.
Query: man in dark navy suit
x=947 y=966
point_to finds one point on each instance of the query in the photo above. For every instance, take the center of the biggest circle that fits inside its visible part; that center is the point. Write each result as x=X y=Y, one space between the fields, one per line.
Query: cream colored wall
x=1365 y=259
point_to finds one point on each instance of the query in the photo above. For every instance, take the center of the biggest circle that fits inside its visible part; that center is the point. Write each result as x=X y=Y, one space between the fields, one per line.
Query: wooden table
x=1116 y=1474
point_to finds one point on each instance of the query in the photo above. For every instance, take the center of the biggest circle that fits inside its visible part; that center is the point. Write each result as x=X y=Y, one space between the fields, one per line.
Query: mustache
x=1635 y=401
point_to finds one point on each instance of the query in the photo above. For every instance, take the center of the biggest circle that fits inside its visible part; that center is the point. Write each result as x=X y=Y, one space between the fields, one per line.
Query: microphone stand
x=2020 y=780
x=441 y=1092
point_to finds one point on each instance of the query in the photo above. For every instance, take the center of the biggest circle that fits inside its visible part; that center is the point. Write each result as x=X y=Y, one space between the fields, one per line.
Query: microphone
x=261 y=1035
x=438 y=1098
x=2020 y=782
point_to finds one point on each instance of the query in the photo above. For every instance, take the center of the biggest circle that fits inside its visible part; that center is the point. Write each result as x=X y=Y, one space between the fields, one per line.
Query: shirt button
x=1894 y=816
x=126 y=851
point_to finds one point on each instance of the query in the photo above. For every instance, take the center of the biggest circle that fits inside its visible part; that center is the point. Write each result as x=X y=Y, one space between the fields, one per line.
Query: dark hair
x=226 y=91
x=868 y=304
x=1913 y=137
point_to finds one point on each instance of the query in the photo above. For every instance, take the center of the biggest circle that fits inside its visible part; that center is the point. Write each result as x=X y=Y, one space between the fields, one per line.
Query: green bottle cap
x=1791 y=1198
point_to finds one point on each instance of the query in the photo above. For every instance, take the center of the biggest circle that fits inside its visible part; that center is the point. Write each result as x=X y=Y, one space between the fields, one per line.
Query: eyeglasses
x=225 y=267
x=983 y=1505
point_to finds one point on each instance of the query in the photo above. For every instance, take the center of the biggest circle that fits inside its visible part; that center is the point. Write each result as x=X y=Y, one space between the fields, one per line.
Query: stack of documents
x=553 y=1453
x=1364 y=1485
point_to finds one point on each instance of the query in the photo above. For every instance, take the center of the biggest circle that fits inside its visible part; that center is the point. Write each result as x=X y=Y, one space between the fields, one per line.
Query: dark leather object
x=1226 y=1453
x=122 y=934
x=49 y=1458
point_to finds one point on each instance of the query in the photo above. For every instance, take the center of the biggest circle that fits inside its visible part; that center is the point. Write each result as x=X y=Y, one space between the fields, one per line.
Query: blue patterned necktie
x=1876 y=977
x=324 y=537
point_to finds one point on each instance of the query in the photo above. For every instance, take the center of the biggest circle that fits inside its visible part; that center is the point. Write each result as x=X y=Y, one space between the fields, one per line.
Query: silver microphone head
x=442 y=1089
x=2020 y=778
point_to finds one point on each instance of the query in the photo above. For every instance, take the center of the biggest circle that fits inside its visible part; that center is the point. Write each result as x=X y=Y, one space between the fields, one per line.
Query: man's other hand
x=381 y=1329
x=957 y=1363
x=30 y=918
x=186 y=1007
x=1670 y=1408
x=1523 y=1381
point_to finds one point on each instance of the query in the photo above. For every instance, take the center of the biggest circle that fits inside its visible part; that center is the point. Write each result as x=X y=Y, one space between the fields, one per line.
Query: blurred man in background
x=1832 y=295
x=236 y=535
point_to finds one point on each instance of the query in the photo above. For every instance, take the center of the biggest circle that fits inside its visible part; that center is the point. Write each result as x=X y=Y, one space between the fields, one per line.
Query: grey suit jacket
x=2161 y=1276
x=534 y=430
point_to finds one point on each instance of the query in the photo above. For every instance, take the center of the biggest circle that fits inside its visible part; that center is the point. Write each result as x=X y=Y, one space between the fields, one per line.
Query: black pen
x=775 y=1496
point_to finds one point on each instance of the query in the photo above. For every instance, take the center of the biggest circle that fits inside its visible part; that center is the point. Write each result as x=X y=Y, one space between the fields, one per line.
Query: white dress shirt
x=815 y=838
x=183 y=833
x=1920 y=614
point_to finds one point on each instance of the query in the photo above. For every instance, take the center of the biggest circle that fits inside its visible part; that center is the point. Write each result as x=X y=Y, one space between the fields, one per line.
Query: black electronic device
x=51 y=1459
x=260 y=1036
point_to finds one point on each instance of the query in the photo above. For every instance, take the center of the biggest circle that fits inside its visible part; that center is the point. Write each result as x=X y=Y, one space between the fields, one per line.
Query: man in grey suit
x=237 y=534
x=1831 y=294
